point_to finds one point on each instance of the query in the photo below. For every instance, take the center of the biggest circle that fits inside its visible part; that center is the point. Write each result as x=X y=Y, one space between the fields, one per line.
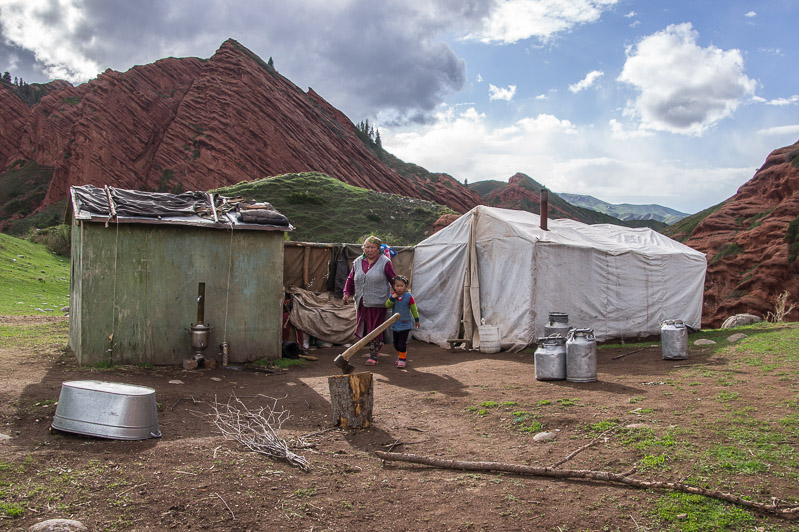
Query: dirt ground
x=193 y=478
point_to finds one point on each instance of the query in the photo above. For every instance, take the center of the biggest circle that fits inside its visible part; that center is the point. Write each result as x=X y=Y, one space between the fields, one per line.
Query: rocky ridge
x=193 y=124
x=752 y=243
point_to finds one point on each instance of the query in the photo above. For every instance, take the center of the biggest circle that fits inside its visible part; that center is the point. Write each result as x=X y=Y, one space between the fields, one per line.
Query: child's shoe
x=370 y=362
x=400 y=363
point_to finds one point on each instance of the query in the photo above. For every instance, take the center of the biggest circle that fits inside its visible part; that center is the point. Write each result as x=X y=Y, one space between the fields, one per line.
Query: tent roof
x=495 y=223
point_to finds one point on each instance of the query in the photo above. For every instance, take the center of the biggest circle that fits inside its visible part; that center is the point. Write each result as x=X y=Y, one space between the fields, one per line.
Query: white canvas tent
x=499 y=265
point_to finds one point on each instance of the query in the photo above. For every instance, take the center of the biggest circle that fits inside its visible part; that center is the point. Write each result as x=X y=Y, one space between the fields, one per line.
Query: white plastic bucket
x=489 y=339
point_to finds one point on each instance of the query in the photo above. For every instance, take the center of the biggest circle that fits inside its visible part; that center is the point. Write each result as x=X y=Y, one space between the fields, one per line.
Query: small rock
x=544 y=436
x=736 y=337
x=216 y=379
x=4 y=437
x=740 y=319
x=682 y=516
x=636 y=426
x=65 y=309
x=703 y=341
x=176 y=381
x=58 y=525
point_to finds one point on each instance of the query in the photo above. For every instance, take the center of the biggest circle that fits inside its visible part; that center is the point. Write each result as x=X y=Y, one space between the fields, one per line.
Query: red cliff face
x=192 y=124
x=750 y=261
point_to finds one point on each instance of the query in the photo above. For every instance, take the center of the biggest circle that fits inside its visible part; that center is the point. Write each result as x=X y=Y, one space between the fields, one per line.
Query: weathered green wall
x=138 y=282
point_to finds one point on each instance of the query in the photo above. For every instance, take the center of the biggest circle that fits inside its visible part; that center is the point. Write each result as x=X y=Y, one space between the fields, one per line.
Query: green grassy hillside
x=32 y=278
x=324 y=209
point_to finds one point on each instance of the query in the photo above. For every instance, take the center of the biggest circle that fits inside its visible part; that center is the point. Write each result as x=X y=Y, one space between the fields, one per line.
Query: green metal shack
x=138 y=259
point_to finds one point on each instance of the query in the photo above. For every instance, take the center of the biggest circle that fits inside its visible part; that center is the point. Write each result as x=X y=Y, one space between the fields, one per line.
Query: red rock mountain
x=193 y=124
x=752 y=243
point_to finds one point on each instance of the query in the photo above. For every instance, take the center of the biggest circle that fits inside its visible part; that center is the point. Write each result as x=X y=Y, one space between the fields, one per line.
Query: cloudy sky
x=675 y=103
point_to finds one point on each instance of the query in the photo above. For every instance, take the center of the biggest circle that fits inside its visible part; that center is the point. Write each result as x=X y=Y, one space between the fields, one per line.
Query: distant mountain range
x=625 y=211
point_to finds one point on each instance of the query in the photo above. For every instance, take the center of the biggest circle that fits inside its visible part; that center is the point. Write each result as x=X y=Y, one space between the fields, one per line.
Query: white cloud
x=784 y=101
x=541 y=97
x=28 y=25
x=780 y=130
x=516 y=20
x=750 y=14
x=683 y=87
x=631 y=14
x=564 y=157
x=498 y=93
x=479 y=78
x=587 y=81
x=620 y=132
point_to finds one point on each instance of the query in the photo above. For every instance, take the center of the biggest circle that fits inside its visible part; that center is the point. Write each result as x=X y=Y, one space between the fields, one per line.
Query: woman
x=369 y=282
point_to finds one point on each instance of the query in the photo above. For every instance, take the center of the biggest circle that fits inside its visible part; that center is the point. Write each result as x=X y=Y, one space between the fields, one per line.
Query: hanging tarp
x=322 y=317
x=500 y=266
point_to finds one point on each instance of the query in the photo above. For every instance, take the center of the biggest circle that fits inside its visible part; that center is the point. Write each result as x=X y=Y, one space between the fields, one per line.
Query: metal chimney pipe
x=201 y=304
x=544 y=208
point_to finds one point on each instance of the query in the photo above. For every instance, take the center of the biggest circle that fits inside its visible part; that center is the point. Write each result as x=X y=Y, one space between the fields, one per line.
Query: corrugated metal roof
x=198 y=209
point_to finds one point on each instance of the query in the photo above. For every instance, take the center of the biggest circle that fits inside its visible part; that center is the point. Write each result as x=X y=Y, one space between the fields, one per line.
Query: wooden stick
x=346 y=355
x=580 y=449
x=603 y=476
x=630 y=353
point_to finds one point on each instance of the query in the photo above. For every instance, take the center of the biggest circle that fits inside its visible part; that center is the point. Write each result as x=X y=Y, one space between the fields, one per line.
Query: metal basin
x=107 y=410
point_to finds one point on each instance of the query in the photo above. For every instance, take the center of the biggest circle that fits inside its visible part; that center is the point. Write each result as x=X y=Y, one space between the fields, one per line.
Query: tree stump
x=351 y=397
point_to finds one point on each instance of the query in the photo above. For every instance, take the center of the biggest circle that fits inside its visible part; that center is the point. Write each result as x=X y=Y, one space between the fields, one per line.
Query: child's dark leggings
x=401 y=340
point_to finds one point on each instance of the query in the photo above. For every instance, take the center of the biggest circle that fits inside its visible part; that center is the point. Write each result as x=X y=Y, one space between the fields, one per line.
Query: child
x=403 y=303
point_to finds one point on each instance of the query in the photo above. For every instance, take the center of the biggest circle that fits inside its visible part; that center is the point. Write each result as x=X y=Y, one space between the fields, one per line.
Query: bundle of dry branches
x=258 y=430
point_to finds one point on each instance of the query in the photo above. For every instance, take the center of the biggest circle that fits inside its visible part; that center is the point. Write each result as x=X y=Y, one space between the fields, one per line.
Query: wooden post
x=351 y=397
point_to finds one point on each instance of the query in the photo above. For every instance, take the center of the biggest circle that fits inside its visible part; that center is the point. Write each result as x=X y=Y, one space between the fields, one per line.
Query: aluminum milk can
x=558 y=324
x=674 y=340
x=581 y=356
x=550 y=358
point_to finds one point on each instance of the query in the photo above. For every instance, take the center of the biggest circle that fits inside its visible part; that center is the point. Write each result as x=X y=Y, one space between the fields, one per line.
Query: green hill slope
x=32 y=278
x=324 y=209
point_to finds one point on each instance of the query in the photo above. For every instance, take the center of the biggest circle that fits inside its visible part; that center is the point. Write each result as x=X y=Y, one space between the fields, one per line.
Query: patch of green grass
x=644 y=438
x=652 y=463
x=525 y=421
x=695 y=513
x=569 y=402
x=725 y=397
x=603 y=426
x=11 y=509
x=33 y=279
x=283 y=363
x=731 y=459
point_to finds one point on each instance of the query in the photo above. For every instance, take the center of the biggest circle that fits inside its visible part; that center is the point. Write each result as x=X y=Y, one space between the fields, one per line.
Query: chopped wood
x=787 y=511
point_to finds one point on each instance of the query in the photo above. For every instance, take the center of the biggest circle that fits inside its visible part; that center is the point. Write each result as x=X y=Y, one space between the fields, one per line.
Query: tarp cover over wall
x=499 y=265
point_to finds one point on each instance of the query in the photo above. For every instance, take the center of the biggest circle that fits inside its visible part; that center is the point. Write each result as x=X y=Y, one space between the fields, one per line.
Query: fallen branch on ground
x=258 y=431
x=789 y=511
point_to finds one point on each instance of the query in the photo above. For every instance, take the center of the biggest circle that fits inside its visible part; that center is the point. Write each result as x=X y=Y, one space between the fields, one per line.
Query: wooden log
x=351 y=397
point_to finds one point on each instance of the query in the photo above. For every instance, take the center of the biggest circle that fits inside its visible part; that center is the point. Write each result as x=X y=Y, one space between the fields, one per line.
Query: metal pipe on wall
x=544 y=208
